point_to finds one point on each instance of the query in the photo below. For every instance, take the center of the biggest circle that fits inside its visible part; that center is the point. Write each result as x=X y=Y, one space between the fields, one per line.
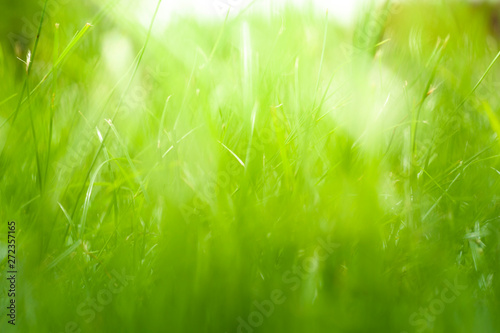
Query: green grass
x=254 y=174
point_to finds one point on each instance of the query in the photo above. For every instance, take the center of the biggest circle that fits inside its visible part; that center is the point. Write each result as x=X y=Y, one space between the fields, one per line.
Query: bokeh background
x=273 y=168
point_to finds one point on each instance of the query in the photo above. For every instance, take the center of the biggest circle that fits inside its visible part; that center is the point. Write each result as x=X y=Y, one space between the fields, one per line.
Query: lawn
x=254 y=173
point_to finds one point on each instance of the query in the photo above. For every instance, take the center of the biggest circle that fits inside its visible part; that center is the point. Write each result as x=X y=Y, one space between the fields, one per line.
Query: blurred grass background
x=210 y=160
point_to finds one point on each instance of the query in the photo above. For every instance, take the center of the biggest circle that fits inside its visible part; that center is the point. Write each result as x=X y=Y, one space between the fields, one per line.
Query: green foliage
x=260 y=174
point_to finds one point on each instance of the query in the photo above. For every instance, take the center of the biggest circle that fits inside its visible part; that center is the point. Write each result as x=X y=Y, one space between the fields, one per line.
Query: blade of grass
x=127 y=155
x=96 y=155
x=37 y=154
x=63 y=255
x=53 y=99
x=478 y=82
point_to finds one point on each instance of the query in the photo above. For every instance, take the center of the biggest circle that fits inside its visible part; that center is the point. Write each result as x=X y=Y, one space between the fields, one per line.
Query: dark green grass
x=213 y=161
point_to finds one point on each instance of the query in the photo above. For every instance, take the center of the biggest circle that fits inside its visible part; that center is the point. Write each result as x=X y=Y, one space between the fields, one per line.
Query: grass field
x=258 y=173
